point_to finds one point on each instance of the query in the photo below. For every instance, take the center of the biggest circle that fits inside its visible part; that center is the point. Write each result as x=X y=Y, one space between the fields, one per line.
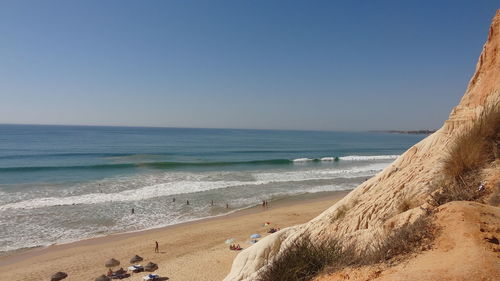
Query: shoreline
x=307 y=203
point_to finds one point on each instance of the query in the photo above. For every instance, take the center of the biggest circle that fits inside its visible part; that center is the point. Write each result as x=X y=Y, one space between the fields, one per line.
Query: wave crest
x=192 y=186
x=173 y=165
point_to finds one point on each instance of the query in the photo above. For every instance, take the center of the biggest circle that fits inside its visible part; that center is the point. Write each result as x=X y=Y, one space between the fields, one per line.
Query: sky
x=263 y=64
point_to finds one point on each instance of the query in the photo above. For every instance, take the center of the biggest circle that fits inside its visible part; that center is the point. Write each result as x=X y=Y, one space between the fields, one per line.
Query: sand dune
x=374 y=205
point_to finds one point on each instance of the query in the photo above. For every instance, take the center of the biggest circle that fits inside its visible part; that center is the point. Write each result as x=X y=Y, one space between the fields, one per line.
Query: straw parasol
x=58 y=276
x=136 y=259
x=151 y=266
x=112 y=263
x=102 y=278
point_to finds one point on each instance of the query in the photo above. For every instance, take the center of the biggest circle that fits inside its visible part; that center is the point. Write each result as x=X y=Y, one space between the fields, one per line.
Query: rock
x=375 y=202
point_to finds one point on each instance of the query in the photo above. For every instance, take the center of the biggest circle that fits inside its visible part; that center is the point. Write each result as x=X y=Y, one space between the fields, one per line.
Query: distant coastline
x=415 y=132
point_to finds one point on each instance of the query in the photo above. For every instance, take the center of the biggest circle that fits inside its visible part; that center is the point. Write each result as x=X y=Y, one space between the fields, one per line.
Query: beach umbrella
x=135 y=259
x=121 y=271
x=151 y=266
x=112 y=263
x=255 y=236
x=102 y=278
x=230 y=240
x=58 y=276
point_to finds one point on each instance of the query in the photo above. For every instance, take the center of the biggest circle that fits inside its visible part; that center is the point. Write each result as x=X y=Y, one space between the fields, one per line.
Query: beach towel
x=151 y=277
x=136 y=268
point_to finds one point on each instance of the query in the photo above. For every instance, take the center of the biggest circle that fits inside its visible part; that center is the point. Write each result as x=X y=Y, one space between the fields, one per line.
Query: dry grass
x=476 y=147
x=305 y=259
x=474 y=150
x=403 y=240
x=341 y=212
x=405 y=205
x=452 y=191
x=494 y=199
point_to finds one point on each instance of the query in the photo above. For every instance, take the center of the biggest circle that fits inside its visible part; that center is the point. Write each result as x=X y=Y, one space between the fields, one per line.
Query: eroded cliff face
x=374 y=207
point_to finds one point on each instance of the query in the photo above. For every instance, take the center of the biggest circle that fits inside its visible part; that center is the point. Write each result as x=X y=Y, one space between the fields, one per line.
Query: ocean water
x=66 y=183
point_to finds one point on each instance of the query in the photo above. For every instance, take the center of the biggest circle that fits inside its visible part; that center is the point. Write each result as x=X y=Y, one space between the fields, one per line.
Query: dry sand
x=189 y=251
x=465 y=249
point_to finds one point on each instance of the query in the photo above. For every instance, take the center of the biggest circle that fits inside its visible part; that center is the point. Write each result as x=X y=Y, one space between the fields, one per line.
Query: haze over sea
x=65 y=183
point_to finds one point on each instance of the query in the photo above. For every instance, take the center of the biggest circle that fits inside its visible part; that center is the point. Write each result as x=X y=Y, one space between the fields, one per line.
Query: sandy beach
x=188 y=251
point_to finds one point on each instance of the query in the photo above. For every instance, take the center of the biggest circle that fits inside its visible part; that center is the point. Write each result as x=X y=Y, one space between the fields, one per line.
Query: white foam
x=144 y=193
x=301 y=160
x=348 y=158
x=321 y=174
x=365 y=158
x=190 y=186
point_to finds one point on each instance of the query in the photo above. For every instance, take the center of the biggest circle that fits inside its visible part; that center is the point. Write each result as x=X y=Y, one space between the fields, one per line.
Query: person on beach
x=187 y=202
x=133 y=211
x=212 y=203
x=227 y=206
x=173 y=200
x=156 y=247
x=263 y=203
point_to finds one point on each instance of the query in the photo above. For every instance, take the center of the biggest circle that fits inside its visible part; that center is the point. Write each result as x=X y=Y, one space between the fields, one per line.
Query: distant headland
x=416 y=132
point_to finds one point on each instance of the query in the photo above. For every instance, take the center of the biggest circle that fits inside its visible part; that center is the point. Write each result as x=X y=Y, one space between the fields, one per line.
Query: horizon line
x=212 y=128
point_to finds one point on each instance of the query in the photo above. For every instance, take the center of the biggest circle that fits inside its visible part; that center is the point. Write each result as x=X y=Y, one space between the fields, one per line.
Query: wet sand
x=188 y=251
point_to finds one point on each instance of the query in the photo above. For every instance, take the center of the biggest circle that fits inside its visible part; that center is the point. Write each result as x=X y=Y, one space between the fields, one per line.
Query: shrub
x=452 y=191
x=303 y=260
x=494 y=199
x=340 y=212
x=403 y=240
x=405 y=205
x=476 y=147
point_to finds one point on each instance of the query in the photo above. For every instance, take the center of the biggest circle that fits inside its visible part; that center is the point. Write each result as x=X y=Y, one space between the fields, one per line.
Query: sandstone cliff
x=375 y=206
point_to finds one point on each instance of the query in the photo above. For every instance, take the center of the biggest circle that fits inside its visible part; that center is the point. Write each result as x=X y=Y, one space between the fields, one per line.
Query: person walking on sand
x=187 y=202
x=133 y=211
x=156 y=247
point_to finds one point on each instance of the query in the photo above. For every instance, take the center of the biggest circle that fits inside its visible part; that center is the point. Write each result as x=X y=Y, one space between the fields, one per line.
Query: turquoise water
x=64 y=183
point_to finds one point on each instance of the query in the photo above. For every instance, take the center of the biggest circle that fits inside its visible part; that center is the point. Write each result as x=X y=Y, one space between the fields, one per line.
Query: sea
x=65 y=183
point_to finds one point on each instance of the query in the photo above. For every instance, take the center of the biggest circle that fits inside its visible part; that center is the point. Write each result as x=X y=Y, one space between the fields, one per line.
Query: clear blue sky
x=327 y=65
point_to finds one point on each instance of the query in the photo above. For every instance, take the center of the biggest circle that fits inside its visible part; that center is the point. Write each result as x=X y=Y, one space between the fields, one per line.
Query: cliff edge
x=400 y=193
